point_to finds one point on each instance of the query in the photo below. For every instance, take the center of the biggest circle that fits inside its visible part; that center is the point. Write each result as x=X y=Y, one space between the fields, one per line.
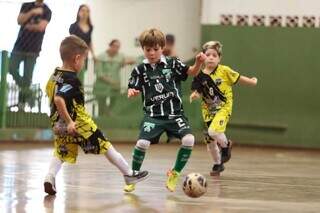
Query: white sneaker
x=50 y=185
x=136 y=177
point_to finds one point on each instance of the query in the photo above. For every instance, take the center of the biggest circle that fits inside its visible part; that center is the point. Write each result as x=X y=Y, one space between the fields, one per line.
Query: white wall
x=212 y=9
x=63 y=14
x=126 y=19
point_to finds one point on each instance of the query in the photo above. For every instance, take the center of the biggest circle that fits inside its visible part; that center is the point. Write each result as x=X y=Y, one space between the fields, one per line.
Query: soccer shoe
x=173 y=177
x=129 y=188
x=216 y=169
x=136 y=177
x=50 y=185
x=226 y=152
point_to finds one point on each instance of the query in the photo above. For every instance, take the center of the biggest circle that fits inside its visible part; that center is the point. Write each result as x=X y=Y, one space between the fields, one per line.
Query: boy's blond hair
x=152 y=38
x=72 y=46
x=216 y=45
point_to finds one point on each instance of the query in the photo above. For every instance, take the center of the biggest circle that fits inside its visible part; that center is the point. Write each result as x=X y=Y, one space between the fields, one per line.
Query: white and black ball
x=195 y=185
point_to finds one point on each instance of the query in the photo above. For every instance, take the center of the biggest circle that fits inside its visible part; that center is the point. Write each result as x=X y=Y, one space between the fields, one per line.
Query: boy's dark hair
x=152 y=38
x=170 y=39
x=113 y=41
x=71 y=46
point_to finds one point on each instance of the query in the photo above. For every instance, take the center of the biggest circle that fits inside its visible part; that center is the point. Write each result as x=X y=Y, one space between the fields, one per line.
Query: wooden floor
x=255 y=180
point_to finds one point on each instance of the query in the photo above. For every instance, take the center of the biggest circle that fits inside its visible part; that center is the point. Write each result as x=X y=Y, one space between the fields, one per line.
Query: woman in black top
x=83 y=27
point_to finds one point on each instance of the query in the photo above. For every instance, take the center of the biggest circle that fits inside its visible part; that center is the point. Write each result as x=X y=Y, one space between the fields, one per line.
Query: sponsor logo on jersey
x=148 y=126
x=159 y=87
x=167 y=73
x=218 y=81
x=162 y=96
x=65 y=88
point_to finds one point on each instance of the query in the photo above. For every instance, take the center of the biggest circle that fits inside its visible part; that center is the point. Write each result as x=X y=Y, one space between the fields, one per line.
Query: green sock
x=137 y=158
x=182 y=158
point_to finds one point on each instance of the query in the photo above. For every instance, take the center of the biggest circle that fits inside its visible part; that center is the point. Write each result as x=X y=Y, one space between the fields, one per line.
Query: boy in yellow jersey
x=72 y=125
x=158 y=79
x=214 y=84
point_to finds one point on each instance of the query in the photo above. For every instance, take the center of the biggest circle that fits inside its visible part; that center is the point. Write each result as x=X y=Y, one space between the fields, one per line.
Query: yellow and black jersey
x=66 y=84
x=216 y=90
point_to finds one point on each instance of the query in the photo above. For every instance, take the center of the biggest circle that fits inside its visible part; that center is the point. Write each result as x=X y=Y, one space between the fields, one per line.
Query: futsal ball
x=195 y=185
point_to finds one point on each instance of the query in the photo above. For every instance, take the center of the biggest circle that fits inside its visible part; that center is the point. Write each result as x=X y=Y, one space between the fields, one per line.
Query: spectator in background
x=33 y=19
x=169 y=49
x=83 y=27
x=107 y=68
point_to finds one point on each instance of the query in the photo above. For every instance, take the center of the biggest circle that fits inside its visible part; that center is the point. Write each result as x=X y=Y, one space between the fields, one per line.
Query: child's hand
x=200 y=58
x=71 y=128
x=194 y=96
x=254 y=81
x=132 y=92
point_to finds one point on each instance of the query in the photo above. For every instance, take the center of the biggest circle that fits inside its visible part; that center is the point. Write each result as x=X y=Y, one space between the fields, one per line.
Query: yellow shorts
x=66 y=147
x=218 y=122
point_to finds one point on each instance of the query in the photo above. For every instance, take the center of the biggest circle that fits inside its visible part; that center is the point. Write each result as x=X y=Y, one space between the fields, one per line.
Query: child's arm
x=194 y=95
x=63 y=112
x=194 y=69
x=244 y=80
x=135 y=83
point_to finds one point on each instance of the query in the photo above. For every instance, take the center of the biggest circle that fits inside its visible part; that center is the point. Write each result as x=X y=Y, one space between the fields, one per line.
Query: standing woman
x=83 y=26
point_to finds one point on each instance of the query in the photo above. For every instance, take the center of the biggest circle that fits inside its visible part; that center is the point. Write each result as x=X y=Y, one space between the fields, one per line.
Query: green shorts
x=152 y=128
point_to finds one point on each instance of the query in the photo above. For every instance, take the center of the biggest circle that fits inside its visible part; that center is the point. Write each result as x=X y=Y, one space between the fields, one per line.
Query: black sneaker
x=50 y=185
x=216 y=169
x=226 y=152
x=136 y=177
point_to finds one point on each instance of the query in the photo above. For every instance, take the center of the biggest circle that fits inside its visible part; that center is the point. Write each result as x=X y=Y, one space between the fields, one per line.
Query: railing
x=32 y=112
x=3 y=88
x=15 y=114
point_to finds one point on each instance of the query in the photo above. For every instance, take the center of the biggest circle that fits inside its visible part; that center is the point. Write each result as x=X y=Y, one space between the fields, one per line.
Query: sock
x=117 y=159
x=55 y=166
x=215 y=152
x=182 y=158
x=137 y=158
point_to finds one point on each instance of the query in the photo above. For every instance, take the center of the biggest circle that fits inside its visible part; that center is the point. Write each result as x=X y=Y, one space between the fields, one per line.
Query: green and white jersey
x=160 y=86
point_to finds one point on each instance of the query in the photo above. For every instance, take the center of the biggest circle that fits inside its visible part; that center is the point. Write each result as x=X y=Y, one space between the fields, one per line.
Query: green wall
x=284 y=108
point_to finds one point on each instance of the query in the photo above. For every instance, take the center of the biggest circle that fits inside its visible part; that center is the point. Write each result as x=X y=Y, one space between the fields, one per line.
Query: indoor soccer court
x=257 y=179
x=245 y=71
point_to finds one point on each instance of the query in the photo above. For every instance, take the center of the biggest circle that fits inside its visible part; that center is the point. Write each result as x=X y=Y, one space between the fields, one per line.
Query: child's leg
x=184 y=152
x=117 y=159
x=139 y=153
x=55 y=166
x=214 y=151
x=216 y=132
x=150 y=130
x=182 y=159
x=218 y=127
x=98 y=144
x=49 y=181
x=220 y=137
x=217 y=157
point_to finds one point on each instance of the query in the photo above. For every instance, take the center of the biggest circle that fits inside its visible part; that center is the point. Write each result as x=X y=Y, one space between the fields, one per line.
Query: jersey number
x=180 y=122
x=211 y=92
